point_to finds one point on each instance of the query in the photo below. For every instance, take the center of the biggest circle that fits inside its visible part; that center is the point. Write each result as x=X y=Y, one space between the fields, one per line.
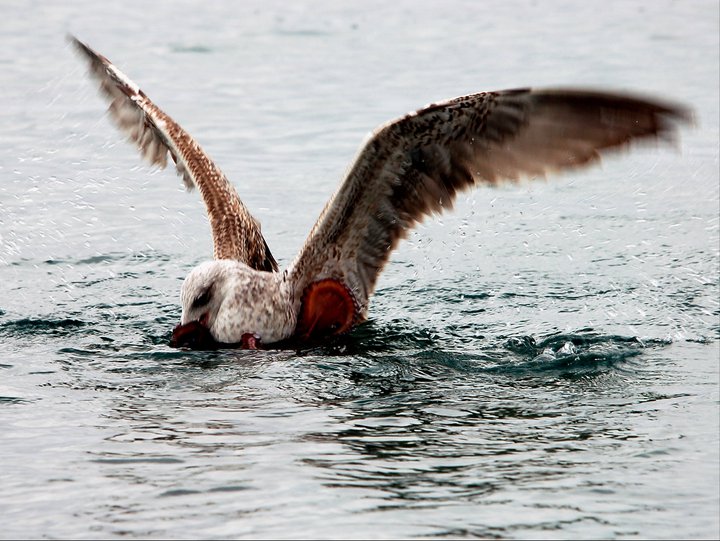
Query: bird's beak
x=193 y=335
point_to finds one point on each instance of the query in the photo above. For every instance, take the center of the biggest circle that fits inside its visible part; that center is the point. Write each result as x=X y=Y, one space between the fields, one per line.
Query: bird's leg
x=250 y=341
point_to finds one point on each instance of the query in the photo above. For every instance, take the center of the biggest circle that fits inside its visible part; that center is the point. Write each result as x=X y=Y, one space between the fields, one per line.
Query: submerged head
x=227 y=302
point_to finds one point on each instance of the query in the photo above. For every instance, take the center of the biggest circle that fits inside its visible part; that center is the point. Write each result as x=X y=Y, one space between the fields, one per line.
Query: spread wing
x=236 y=234
x=414 y=166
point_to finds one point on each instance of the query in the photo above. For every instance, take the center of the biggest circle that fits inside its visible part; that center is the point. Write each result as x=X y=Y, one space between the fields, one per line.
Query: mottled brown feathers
x=236 y=234
x=409 y=168
x=416 y=165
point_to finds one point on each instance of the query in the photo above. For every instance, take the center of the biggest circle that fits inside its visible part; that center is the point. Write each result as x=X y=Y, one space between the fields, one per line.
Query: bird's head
x=227 y=302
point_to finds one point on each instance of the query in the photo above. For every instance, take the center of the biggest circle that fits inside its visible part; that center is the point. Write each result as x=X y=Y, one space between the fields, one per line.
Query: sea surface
x=540 y=363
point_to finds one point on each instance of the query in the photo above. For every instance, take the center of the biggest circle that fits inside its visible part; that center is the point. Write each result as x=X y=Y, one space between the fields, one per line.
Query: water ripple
x=30 y=327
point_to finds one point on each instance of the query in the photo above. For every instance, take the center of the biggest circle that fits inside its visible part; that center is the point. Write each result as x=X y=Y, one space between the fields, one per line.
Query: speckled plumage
x=408 y=168
x=236 y=234
x=235 y=290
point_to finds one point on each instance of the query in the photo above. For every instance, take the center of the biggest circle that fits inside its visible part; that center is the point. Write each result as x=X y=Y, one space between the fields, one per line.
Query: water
x=543 y=362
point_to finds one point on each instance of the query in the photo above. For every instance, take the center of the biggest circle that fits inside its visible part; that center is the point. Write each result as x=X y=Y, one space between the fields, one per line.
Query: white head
x=230 y=299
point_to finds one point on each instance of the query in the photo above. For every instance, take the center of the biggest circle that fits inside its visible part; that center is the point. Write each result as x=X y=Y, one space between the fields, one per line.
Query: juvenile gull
x=407 y=169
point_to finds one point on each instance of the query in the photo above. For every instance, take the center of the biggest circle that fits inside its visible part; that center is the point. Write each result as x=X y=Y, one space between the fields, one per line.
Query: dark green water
x=541 y=363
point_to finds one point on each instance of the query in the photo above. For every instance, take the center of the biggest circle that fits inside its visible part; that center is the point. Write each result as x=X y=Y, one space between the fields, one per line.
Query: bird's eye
x=202 y=299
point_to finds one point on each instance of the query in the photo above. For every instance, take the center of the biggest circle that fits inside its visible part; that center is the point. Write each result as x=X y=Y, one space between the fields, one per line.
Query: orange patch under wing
x=327 y=309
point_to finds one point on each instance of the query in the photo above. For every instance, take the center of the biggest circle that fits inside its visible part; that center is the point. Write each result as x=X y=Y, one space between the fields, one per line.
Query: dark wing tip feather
x=130 y=108
x=86 y=50
x=625 y=116
x=628 y=101
x=79 y=45
x=268 y=264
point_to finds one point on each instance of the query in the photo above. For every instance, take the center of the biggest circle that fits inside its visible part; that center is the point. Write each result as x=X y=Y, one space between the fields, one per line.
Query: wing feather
x=416 y=165
x=236 y=233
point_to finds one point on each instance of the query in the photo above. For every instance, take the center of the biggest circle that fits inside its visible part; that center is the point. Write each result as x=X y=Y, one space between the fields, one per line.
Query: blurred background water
x=541 y=363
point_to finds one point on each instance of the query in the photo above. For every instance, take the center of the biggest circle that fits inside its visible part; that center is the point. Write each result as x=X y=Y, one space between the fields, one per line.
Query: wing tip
x=84 y=49
x=73 y=40
x=678 y=112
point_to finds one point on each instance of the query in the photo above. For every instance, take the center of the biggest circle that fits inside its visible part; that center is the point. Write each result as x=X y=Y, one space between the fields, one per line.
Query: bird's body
x=226 y=292
x=408 y=168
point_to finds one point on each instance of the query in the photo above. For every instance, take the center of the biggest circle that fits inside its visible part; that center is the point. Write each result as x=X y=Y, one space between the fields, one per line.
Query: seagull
x=407 y=169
